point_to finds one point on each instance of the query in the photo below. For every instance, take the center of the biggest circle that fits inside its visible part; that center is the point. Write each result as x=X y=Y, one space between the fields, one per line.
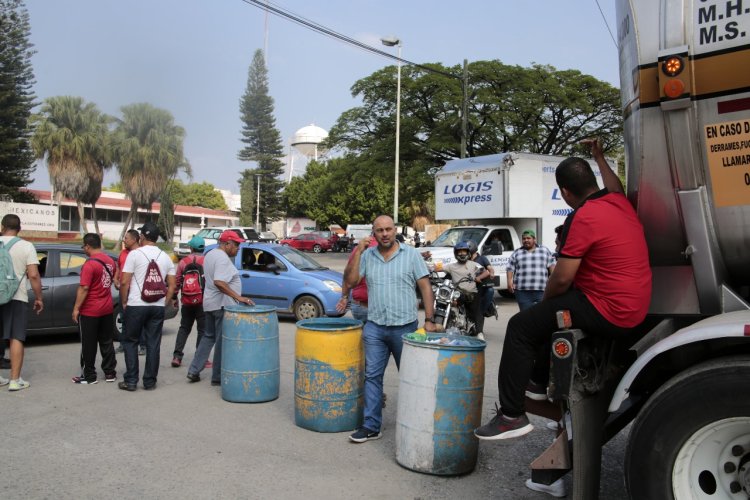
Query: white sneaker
x=480 y=336
x=553 y=426
x=18 y=384
x=556 y=489
x=4 y=381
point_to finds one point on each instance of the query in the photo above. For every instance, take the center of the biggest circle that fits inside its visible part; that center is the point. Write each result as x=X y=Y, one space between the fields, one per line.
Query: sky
x=191 y=57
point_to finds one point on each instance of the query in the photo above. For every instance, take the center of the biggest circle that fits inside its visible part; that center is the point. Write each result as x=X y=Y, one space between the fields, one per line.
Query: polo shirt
x=392 y=298
x=98 y=301
x=614 y=274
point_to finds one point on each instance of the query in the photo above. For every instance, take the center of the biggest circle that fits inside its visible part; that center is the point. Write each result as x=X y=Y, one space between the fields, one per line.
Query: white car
x=211 y=236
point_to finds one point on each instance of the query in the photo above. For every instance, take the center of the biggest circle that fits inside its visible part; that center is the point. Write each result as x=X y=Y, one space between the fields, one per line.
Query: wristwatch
x=429 y=320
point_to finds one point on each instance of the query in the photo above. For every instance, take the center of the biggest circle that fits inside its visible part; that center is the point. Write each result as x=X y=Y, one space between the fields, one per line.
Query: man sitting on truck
x=602 y=277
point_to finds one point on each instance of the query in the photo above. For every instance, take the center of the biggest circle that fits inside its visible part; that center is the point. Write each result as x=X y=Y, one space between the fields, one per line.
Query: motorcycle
x=449 y=308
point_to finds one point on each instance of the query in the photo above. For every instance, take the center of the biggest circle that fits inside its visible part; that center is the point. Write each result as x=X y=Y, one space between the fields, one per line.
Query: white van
x=358 y=231
x=211 y=236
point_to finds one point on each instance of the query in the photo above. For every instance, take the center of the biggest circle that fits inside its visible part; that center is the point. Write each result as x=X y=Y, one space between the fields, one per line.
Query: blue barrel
x=439 y=405
x=329 y=374
x=250 y=354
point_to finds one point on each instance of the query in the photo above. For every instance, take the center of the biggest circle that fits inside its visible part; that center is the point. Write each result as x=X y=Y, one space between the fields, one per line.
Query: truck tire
x=692 y=438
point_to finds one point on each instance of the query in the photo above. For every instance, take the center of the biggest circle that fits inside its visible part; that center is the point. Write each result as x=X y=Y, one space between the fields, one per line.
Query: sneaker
x=126 y=387
x=149 y=388
x=176 y=362
x=119 y=349
x=4 y=364
x=502 y=427
x=193 y=377
x=364 y=434
x=4 y=381
x=83 y=381
x=142 y=351
x=18 y=384
x=556 y=489
x=216 y=382
x=535 y=391
x=553 y=426
x=111 y=377
x=480 y=336
x=208 y=365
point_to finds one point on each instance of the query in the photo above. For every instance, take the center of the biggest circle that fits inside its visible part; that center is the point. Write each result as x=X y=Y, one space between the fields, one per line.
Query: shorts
x=14 y=318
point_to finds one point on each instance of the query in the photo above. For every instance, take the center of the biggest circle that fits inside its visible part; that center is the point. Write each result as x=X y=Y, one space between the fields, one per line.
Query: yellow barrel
x=329 y=374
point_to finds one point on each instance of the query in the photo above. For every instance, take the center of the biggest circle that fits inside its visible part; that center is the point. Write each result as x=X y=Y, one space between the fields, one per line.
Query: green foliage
x=17 y=98
x=247 y=197
x=115 y=187
x=196 y=194
x=262 y=140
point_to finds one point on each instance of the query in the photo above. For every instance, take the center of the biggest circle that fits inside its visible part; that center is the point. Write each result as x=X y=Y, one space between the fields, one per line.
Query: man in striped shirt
x=528 y=270
x=392 y=272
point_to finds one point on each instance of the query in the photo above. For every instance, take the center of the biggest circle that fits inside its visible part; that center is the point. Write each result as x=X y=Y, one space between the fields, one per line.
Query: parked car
x=268 y=237
x=308 y=241
x=211 y=236
x=60 y=268
x=294 y=283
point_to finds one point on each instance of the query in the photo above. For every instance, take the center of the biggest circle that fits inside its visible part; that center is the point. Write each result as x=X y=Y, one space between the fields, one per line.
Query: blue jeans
x=380 y=342
x=211 y=339
x=527 y=298
x=487 y=296
x=359 y=312
x=149 y=320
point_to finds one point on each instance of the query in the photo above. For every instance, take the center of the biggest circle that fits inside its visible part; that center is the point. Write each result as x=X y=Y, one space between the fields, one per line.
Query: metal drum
x=250 y=354
x=439 y=405
x=329 y=374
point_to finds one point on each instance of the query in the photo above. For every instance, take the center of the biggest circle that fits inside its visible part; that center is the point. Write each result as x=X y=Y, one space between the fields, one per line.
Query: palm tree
x=74 y=137
x=148 y=151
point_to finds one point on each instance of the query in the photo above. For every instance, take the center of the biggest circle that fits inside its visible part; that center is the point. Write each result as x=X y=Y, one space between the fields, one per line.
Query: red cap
x=230 y=235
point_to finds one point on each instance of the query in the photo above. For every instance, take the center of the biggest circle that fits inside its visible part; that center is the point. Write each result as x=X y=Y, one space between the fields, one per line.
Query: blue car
x=288 y=279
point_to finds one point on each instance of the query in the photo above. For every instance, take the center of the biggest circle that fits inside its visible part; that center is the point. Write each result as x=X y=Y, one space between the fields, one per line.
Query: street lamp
x=393 y=41
x=257 y=204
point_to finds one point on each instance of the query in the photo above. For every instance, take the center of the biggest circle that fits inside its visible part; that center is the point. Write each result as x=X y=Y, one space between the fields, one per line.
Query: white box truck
x=498 y=197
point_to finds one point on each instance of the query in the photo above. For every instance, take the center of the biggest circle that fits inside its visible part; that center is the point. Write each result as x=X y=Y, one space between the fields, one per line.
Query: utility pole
x=465 y=109
x=257 y=204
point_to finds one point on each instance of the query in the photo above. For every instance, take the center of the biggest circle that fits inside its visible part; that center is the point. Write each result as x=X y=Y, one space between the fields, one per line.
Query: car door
x=260 y=283
x=70 y=263
x=308 y=240
x=45 y=319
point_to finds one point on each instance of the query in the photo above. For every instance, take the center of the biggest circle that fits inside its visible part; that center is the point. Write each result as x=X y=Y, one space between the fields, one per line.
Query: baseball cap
x=529 y=232
x=197 y=243
x=149 y=229
x=230 y=235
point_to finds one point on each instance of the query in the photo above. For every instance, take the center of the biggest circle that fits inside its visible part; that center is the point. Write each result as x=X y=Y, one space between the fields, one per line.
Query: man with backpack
x=93 y=312
x=148 y=283
x=190 y=283
x=18 y=267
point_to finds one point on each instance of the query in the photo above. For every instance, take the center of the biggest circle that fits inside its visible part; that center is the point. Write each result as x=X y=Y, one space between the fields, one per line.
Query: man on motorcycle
x=465 y=274
x=486 y=287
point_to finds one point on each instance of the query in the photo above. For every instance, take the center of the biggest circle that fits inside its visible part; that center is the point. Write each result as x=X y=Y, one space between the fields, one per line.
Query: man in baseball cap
x=150 y=230
x=230 y=235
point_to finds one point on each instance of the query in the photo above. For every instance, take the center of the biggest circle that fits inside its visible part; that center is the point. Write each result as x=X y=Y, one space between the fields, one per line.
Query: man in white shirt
x=140 y=314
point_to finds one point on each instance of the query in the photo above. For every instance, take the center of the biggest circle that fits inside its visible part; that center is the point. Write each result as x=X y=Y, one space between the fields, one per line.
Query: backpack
x=9 y=282
x=153 y=288
x=193 y=283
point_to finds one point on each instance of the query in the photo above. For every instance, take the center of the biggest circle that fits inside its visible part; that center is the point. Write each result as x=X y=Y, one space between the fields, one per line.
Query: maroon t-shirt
x=614 y=274
x=99 y=299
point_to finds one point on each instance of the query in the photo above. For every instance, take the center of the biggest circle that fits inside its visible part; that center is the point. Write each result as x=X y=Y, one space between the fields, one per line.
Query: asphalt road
x=62 y=440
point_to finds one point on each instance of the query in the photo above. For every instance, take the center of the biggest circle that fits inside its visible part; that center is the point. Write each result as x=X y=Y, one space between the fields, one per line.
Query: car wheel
x=307 y=307
x=119 y=316
x=317 y=249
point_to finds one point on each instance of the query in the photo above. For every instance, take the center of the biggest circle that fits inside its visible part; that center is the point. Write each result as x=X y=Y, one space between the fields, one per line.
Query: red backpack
x=193 y=283
x=153 y=288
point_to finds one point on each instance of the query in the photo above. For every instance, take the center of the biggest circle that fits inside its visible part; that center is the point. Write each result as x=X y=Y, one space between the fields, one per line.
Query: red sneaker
x=502 y=427
x=176 y=362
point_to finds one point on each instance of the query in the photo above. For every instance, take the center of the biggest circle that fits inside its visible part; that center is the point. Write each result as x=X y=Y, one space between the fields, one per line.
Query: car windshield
x=209 y=233
x=267 y=234
x=452 y=236
x=299 y=260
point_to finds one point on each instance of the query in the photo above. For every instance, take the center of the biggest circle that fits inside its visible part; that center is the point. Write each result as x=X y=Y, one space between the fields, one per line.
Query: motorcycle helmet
x=461 y=251
x=197 y=243
x=472 y=247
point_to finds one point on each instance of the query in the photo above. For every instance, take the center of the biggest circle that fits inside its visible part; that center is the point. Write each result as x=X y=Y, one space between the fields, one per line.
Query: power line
x=606 y=23
x=319 y=28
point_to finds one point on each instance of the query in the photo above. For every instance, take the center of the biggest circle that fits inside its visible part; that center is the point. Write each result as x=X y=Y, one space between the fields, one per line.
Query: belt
x=359 y=303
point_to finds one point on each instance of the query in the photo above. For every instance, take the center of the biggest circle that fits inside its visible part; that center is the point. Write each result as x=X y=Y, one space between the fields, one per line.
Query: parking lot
x=63 y=440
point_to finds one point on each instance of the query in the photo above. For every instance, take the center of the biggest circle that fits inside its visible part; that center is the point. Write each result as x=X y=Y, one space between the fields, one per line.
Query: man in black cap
x=148 y=283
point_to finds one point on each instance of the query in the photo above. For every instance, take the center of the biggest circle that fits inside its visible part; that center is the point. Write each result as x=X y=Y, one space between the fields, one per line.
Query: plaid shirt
x=530 y=269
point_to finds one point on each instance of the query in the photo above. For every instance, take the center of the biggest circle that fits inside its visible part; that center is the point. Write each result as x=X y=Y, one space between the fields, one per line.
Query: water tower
x=308 y=142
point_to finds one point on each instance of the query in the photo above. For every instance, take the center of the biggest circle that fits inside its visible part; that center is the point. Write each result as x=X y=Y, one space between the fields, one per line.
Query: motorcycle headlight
x=456 y=295
x=332 y=285
x=444 y=294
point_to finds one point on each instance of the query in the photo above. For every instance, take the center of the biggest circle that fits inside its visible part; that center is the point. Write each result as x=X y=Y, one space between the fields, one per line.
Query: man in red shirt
x=192 y=303
x=93 y=311
x=602 y=277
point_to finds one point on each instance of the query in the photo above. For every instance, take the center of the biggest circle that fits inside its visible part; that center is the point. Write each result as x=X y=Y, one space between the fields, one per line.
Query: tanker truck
x=682 y=382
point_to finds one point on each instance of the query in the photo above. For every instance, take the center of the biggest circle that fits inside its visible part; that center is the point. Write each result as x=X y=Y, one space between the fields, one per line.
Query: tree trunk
x=81 y=215
x=96 y=220
x=127 y=222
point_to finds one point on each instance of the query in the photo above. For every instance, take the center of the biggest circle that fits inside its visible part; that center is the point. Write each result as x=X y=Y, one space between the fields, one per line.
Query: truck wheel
x=307 y=307
x=692 y=438
x=317 y=248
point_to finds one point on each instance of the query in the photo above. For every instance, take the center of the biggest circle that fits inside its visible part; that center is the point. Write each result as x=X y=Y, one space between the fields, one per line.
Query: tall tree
x=148 y=151
x=262 y=140
x=16 y=101
x=73 y=135
x=196 y=194
x=247 y=197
